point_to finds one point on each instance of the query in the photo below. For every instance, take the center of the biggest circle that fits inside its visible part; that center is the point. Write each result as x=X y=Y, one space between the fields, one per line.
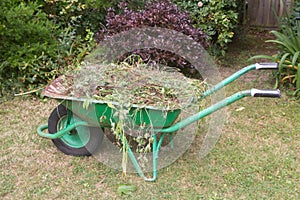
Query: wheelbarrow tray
x=104 y=114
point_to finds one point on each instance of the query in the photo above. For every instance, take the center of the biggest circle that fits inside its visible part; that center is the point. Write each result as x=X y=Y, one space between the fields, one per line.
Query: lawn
x=256 y=157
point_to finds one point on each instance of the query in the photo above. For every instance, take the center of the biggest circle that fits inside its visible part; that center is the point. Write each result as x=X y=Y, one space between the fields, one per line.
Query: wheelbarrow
x=77 y=131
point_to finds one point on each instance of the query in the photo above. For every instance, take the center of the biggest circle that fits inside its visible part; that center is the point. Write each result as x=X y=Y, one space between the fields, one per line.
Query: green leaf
x=109 y=104
x=261 y=57
x=282 y=60
x=86 y=104
x=126 y=189
x=298 y=78
x=295 y=58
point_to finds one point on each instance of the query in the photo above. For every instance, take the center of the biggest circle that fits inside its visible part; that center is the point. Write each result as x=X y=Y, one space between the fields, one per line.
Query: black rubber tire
x=94 y=141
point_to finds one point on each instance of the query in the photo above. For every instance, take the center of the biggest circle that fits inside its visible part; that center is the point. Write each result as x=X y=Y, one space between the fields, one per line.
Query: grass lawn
x=256 y=157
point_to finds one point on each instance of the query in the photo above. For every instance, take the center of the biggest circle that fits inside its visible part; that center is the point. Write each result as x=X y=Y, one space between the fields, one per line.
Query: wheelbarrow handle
x=238 y=74
x=265 y=93
x=263 y=66
x=221 y=104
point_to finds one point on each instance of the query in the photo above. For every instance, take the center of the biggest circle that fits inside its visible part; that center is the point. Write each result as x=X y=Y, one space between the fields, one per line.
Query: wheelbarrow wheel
x=82 y=141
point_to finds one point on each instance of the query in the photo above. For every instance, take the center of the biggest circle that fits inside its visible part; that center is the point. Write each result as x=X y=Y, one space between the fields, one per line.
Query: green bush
x=293 y=19
x=27 y=40
x=35 y=47
x=80 y=14
x=217 y=18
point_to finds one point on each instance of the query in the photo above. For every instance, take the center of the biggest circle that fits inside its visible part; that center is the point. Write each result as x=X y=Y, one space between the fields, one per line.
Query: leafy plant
x=79 y=14
x=217 y=18
x=35 y=49
x=157 y=13
x=27 y=45
x=288 y=58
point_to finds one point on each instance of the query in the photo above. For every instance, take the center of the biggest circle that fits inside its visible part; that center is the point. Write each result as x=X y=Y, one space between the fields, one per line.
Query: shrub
x=35 y=49
x=217 y=18
x=292 y=20
x=27 y=42
x=80 y=14
x=163 y=14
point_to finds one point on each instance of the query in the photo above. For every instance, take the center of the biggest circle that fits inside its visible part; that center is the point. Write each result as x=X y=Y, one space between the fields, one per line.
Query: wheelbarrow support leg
x=155 y=151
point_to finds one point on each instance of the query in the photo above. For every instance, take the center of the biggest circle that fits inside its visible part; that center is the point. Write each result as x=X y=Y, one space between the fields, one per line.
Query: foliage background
x=41 y=39
x=217 y=18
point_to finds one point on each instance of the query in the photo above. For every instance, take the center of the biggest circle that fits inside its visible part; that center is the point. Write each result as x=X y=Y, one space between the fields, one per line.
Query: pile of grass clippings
x=162 y=87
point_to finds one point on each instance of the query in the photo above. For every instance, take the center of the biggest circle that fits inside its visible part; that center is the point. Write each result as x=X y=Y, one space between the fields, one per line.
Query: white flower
x=200 y=4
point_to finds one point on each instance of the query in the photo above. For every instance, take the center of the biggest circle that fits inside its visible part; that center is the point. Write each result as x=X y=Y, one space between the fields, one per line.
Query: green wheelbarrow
x=78 y=131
